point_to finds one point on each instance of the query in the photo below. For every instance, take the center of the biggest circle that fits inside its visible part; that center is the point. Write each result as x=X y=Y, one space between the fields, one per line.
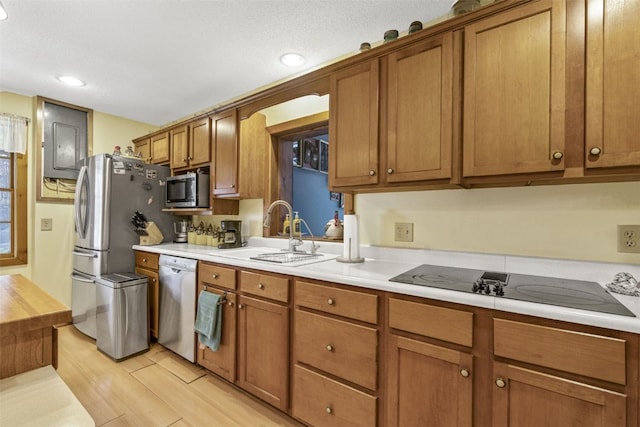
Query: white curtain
x=13 y=134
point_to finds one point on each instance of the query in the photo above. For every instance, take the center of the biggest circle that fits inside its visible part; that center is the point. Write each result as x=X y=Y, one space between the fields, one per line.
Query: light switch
x=46 y=224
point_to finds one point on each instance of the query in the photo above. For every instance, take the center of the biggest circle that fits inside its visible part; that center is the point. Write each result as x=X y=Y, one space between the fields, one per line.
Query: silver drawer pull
x=329 y=347
x=330 y=301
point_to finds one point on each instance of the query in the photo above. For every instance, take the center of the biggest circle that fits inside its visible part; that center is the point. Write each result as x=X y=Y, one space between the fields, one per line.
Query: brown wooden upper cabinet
x=514 y=91
x=418 y=102
x=160 y=148
x=239 y=163
x=143 y=147
x=612 y=84
x=191 y=145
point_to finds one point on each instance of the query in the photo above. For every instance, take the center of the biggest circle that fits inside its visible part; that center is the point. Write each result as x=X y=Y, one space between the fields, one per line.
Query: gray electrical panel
x=65 y=140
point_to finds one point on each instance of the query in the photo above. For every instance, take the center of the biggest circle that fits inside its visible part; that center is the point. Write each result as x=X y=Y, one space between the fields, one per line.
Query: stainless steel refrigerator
x=109 y=191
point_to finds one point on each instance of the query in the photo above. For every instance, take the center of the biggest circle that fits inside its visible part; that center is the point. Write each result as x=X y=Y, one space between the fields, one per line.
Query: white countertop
x=381 y=264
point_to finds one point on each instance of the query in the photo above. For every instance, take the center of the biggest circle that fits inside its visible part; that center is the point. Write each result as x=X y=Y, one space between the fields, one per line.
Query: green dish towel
x=209 y=320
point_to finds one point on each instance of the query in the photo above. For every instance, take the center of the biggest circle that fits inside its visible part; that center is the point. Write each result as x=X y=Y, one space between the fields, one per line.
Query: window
x=13 y=209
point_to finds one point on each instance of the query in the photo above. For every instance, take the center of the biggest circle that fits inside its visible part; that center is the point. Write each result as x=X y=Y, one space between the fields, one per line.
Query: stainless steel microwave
x=189 y=190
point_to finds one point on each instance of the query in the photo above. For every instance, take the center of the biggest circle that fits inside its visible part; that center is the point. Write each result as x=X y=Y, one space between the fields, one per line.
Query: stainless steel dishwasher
x=177 y=312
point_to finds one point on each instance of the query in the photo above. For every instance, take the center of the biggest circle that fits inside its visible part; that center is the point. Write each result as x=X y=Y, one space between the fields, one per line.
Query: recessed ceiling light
x=292 y=59
x=71 y=81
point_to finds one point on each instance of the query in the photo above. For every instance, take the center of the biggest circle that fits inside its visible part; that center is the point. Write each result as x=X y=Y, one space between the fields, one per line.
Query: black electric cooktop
x=578 y=294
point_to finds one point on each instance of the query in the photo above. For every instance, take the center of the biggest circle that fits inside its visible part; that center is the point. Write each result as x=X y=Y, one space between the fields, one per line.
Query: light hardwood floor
x=156 y=388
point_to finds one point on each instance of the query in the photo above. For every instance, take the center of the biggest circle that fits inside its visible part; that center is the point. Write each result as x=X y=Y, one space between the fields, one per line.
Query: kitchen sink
x=272 y=255
x=286 y=257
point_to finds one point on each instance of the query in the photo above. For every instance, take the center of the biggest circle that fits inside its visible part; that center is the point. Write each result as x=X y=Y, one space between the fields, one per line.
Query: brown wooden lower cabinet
x=263 y=350
x=147 y=265
x=429 y=385
x=321 y=401
x=523 y=397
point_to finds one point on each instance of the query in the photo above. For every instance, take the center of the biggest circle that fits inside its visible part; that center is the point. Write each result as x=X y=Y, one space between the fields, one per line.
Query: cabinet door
x=613 y=83
x=225 y=159
x=179 y=147
x=428 y=385
x=200 y=142
x=419 y=114
x=144 y=148
x=160 y=148
x=522 y=397
x=222 y=361
x=154 y=298
x=514 y=94
x=263 y=347
x=353 y=126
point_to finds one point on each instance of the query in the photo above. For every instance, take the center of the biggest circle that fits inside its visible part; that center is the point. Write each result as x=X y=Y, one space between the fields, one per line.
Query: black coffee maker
x=231 y=234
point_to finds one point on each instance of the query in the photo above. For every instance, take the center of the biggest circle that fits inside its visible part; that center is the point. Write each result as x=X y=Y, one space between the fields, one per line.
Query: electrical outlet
x=46 y=224
x=629 y=238
x=403 y=232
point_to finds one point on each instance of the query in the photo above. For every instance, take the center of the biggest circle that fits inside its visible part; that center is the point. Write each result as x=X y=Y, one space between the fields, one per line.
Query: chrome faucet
x=293 y=242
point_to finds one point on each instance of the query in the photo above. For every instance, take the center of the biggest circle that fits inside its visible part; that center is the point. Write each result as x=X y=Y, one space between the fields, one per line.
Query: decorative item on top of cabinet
x=612 y=84
x=335 y=348
x=221 y=281
x=514 y=93
x=263 y=337
x=147 y=265
x=428 y=381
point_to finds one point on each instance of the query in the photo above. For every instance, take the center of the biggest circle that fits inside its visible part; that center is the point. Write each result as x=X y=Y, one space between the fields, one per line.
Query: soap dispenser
x=296 y=225
x=286 y=224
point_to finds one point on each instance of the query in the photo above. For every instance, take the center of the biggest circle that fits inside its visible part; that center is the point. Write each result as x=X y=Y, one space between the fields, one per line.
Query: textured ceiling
x=156 y=61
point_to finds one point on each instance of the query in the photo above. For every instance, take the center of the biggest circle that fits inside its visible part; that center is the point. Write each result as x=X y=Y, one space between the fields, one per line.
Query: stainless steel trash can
x=122 y=320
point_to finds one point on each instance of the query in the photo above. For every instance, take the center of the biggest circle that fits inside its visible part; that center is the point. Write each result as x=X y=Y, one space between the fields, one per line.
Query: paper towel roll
x=351 y=242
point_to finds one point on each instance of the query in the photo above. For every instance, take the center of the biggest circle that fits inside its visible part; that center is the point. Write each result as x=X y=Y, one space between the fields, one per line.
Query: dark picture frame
x=297 y=158
x=311 y=154
x=324 y=157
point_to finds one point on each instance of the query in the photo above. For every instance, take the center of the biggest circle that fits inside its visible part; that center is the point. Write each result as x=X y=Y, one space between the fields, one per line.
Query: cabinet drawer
x=579 y=353
x=320 y=401
x=446 y=324
x=350 y=304
x=147 y=260
x=337 y=347
x=265 y=285
x=213 y=274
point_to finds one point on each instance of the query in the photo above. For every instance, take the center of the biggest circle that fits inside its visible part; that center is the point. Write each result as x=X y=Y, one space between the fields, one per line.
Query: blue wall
x=311 y=199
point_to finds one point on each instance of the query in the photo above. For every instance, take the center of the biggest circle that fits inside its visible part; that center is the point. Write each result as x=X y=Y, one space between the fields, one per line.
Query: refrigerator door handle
x=85 y=254
x=81 y=278
x=81 y=183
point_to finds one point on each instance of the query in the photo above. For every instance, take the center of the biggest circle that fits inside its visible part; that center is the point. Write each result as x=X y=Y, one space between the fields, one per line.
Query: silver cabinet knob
x=260 y=286
x=240 y=306
x=329 y=347
x=330 y=301
x=557 y=155
x=464 y=372
x=500 y=382
x=230 y=303
x=215 y=276
x=390 y=171
x=329 y=410
x=372 y=173
x=595 y=151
